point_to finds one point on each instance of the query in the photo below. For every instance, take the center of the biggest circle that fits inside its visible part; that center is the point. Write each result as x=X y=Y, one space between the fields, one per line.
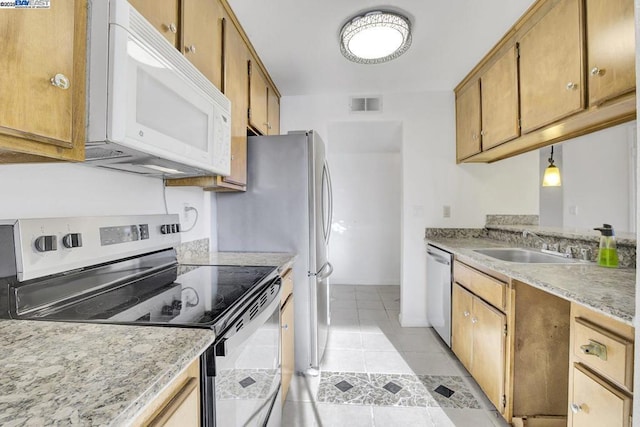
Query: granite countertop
x=610 y=291
x=87 y=374
x=282 y=260
x=622 y=238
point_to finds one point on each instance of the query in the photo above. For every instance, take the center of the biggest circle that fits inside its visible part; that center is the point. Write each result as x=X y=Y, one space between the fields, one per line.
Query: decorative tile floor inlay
x=403 y=390
x=445 y=391
x=244 y=383
x=392 y=387
x=247 y=382
x=344 y=386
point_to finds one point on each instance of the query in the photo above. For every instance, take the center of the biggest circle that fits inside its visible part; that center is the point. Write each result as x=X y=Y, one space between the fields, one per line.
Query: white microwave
x=149 y=110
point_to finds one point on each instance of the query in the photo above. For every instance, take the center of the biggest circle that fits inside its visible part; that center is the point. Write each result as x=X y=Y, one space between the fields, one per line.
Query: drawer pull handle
x=474 y=320
x=575 y=408
x=466 y=314
x=594 y=348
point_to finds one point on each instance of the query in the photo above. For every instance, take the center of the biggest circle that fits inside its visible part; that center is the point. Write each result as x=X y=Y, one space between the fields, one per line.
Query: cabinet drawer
x=486 y=287
x=603 y=351
x=287 y=287
x=594 y=402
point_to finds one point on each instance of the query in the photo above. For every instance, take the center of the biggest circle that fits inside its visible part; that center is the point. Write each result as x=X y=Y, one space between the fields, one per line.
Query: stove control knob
x=165 y=229
x=46 y=243
x=167 y=310
x=72 y=240
x=177 y=228
x=176 y=305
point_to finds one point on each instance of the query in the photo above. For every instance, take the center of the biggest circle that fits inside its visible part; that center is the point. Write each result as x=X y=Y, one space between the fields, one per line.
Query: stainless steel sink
x=525 y=256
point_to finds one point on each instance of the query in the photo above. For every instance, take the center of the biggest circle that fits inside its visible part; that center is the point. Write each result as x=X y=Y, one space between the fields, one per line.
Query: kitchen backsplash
x=195 y=248
x=513 y=219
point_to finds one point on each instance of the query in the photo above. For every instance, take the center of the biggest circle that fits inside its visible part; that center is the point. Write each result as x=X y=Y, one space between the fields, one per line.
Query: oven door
x=247 y=377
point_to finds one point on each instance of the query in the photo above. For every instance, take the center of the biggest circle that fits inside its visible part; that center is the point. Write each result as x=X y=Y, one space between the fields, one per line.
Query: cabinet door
x=273 y=112
x=236 y=85
x=488 y=358
x=202 y=37
x=461 y=327
x=162 y=14
x=500 y=101
x=468 y=122
x=183 y=410
x=258 y=95
x=288 y=359
x=595 y=403
x=36 y=46
x=611 y=49
x=551 y=83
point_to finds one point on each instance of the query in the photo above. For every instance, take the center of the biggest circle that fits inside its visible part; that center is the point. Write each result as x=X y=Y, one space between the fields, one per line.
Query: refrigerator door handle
x=327 y=176
x=322 y=274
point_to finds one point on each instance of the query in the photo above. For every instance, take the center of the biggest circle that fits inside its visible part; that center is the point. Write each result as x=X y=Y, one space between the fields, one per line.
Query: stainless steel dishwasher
x=439 y=265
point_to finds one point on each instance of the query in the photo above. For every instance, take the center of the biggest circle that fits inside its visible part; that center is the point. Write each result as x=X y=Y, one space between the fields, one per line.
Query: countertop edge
x=129 y=415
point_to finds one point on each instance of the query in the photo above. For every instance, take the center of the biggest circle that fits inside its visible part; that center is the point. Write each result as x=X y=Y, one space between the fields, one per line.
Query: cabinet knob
x=285 y=326
x=474 y=136
x=474 y=320
x=466 y=314
x=571 y=86
x=172 y=28
x=483 y=133
x=191 y=49
x=60 y=81
x=595 y=71
x=575 y=408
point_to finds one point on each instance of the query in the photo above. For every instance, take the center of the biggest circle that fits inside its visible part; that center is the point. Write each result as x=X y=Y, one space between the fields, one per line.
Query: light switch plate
x=446 y=211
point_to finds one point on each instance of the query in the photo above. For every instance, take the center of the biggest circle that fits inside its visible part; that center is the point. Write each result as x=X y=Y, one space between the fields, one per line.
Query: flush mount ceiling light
x=551 y=174
x=375 y=37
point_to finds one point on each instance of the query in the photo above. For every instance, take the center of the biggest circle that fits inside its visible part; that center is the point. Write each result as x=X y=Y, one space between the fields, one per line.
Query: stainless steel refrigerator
x=288 y=208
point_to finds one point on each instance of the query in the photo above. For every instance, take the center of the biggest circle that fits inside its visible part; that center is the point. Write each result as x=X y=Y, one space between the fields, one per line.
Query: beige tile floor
x=366 y=337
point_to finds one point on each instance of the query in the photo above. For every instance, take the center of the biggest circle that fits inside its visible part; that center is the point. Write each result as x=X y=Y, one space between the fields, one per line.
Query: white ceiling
x=298 y=42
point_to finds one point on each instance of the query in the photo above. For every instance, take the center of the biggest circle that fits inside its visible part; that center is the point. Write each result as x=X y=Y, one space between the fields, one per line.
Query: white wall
x=366 y=172
x=430 y=177
x=59 y=189
x=596 y=174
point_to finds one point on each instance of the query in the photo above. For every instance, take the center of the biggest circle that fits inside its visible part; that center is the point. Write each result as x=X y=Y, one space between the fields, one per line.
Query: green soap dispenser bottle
x=607 y=254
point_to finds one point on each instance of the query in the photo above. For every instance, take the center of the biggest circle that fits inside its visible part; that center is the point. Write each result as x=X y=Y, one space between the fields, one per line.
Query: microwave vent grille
x=141 y=28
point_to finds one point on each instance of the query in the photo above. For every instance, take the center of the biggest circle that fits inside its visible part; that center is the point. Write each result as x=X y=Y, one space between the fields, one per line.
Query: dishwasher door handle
x=438 y=258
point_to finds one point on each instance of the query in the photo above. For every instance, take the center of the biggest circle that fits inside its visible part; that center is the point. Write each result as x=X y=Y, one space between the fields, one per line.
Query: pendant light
x=551 y=174
x=375 y=37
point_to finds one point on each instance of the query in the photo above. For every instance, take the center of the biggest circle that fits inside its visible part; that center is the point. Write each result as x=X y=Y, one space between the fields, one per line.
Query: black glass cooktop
x=193 y=296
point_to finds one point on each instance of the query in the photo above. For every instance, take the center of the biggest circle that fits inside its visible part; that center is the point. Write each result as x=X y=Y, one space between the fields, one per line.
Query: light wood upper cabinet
x=551 y=67
x=468 y=122
x=273 y=112
x=164 y=15
x=611 y=49
x=258 y=96
x=500 y=101
x=202 y=37
x=42 y=63
x=236 y=85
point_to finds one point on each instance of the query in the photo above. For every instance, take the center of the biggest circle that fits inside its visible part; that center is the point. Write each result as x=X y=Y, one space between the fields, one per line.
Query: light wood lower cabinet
x=479 y=340
x=287 y=337
x=601 y=370
x=514 y=340
x=178 y=405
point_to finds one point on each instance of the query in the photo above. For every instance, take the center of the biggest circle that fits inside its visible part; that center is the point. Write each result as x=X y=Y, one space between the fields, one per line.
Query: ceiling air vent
x=364 y=105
